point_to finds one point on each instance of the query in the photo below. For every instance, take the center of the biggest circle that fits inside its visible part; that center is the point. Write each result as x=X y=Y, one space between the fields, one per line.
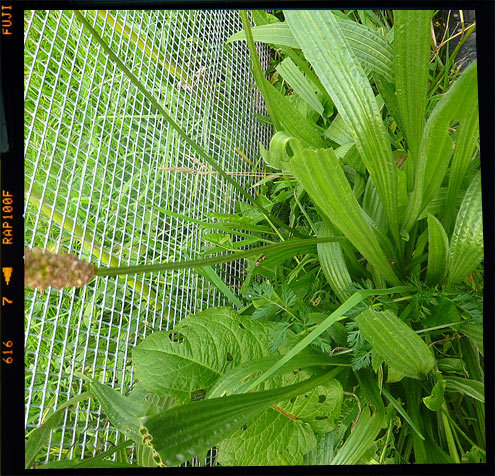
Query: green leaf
x=298 y=82
x=178 y=368
x=436 y=144
x=286 y=430
x=335 y=316
x=124 y=412
x=333 y=264
x=402 y=412
x=412 y=36
x=283 y=441
x=438 y=248
x=466 y=245
x=321 y=175
x=396 y=342
x=362 y=437
x=370 y=47
x=465 y=146
x=434 y=401
x=324 y=45
x=237 y=379
x=468 y=387
x=182 y=432
x=324 y=451
x=475 y=332
x=338 y=132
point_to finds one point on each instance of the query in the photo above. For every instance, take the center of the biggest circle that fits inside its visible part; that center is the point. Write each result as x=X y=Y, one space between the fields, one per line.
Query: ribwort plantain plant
x=367 y=347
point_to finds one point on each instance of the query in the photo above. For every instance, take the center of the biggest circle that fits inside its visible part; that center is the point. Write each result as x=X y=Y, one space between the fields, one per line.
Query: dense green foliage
x=364 y=349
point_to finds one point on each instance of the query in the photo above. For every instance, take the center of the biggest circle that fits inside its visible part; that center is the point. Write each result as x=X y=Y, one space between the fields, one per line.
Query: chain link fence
x=108 y=180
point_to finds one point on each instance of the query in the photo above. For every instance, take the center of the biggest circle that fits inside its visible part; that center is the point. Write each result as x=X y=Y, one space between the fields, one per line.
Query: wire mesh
x=95 y=150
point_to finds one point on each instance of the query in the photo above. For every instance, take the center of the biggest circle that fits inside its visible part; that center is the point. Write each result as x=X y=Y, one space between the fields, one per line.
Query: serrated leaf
x=271 y=439
x=179 y=368
x=396 y=342
x=438 y=248
x=286 y=432
x=466 y=247
x=326 y=48
x=182 y=432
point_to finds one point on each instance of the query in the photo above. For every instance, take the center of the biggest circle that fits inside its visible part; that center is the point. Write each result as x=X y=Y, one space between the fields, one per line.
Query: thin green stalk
x=257 y=71
x=448 y=434
x=89 y=462
x=198 y=263
x=335 y=316
x=197 y=148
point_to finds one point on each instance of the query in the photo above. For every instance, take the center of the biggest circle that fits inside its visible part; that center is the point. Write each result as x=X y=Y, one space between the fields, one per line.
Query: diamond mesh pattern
x=95 y=148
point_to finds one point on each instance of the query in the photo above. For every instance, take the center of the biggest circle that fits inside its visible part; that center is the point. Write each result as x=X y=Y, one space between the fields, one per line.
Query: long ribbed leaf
x=333 y=264
x=184 y=431
x=298 y=82
x=286 y=117
x=325 y=46
x=465 y=146
x=396 y=342
x=361 y=438
x=466 y=247
x=321 y=175
x=438 y=248
x=436 y=144
x=370 y=47
x=411 y=65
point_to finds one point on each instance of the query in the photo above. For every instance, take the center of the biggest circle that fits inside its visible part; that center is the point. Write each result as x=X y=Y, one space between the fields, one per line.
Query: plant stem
x=198 y=149
x=198 y=263
x=448 y=434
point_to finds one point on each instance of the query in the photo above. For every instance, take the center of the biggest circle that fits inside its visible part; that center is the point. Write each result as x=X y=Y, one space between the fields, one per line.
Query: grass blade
x=198 y=149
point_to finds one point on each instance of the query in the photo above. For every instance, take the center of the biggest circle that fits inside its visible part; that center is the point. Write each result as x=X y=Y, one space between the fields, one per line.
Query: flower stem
x=198 y=263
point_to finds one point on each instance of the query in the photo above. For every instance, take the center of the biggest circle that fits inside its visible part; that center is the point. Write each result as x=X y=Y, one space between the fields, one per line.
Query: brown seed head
x=43 y=269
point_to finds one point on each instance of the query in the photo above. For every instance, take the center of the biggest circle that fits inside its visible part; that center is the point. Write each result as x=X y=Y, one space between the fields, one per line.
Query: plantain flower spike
x=59 y=270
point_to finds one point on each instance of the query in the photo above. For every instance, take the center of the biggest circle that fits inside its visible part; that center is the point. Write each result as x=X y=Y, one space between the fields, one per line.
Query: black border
x=12 y=173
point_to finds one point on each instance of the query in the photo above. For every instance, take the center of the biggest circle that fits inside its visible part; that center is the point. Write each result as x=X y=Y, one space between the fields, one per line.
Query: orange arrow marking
x=7 y=273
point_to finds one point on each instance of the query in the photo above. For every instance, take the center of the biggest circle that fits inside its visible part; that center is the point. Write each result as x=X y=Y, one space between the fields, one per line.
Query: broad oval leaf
x=466 y=247
x=175 y=362
x=396 y=342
